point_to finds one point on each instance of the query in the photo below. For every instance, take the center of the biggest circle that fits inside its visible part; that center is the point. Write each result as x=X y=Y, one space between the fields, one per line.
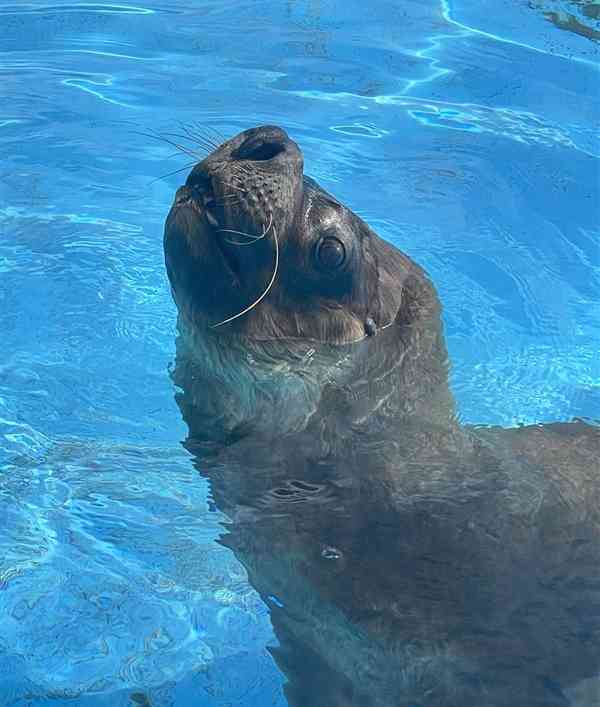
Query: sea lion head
x=263 y=261
x=248 y=215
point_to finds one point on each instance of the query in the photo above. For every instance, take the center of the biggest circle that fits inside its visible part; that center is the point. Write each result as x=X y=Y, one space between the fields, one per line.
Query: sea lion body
x=406 y=559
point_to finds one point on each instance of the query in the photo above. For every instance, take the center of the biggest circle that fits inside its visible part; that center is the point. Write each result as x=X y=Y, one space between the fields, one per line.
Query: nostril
x=266 y=151
x=258 y=150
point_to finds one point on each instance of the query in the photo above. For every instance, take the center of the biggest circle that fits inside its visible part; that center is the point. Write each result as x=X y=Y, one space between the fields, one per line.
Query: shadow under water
x=582 y=21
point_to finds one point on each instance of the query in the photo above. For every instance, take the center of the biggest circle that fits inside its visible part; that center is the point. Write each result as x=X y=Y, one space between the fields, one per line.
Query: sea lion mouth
x=199 y=196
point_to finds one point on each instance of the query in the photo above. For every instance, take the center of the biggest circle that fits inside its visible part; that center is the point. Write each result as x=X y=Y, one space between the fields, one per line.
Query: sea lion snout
x=249 y=182
x=267 y=149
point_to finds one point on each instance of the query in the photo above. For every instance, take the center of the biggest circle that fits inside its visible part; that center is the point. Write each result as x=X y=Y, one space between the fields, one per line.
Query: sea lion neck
x=236 y=386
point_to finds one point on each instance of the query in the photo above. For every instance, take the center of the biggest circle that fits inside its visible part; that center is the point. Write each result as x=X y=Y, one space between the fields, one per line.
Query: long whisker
x=241 y=233
x=201 y=137
x=264 y=294
x=205 y=143
x=217 y=133
x=220 y=138
x=251 y=238
x=202 y=150
x=233 y=241
x=205 y=140
x=172 y=155
x=170 y=174
x=180 y=148
x=269 y=226
x=201 y=131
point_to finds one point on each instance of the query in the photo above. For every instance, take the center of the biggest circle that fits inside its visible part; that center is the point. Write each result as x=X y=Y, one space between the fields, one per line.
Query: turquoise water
x=465 y=132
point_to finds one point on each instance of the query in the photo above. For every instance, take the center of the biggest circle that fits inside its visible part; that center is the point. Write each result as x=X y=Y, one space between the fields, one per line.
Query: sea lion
x=406 y=559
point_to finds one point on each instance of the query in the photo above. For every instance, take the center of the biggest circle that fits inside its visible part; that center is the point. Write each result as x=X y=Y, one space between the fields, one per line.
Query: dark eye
x=331 y=253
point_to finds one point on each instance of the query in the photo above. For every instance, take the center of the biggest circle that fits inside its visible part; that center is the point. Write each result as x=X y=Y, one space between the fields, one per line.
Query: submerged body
x=407 y=560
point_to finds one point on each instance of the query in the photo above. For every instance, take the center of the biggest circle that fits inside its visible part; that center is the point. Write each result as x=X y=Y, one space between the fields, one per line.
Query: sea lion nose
x=266 y=143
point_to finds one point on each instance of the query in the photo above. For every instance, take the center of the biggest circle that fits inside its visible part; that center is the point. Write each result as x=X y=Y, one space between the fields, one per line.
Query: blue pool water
x=465 y=131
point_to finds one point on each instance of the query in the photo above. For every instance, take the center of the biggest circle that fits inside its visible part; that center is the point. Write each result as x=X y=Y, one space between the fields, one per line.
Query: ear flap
x=369 y=294
x=419 y=302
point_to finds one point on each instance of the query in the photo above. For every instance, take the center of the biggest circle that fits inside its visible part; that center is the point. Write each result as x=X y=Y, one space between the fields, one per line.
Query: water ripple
x=79 y=590
x=100 y=8
x=519 y=125
x=452 y=10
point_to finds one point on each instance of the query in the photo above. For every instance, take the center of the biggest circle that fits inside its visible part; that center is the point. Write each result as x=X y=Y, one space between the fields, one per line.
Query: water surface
x=466 y=132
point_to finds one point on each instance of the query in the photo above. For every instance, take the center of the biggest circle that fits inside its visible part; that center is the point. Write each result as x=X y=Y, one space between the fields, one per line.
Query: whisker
x=204 y=142
x=172 y=155
x=202 y=131
x=269 y=226
x=161 y=135
x=245 y=170
x=200 y=136
x=217 y=133
x=205 y=148
x=209 y=144
x=180 y=148
x=251 y=238
x=233 y=186
x=242 y=170
x=231 y=241
x=264 y=294
x=170 y=174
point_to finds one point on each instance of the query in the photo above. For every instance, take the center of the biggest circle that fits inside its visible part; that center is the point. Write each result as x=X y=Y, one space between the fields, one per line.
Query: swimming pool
x=464 y=132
